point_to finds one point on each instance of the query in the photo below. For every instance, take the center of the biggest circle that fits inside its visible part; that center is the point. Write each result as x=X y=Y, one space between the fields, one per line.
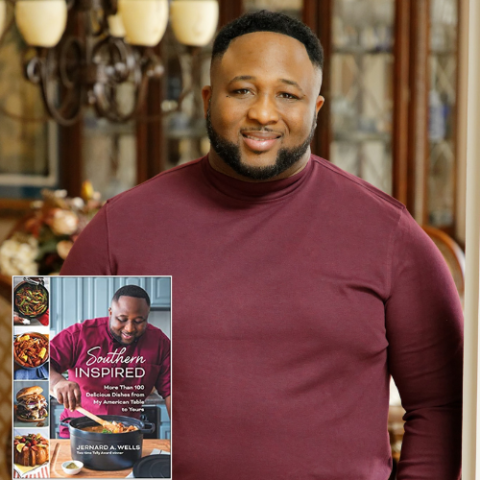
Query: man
x=113 y=362
x=298 y=288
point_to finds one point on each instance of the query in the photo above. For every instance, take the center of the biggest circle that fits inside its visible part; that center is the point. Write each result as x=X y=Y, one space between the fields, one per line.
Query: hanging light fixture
x=194 y=22
x=110 y=45
x=3 y=12
x=33 y=15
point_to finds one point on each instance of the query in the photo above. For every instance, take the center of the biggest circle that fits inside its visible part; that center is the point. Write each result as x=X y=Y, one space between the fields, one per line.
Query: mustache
x=260 y=129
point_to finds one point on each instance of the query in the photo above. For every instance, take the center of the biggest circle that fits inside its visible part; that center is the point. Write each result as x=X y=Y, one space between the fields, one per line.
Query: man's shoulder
x=94 y=323
x=156 y=333
x=87 y=326
x=173 y=181
x=351 y=186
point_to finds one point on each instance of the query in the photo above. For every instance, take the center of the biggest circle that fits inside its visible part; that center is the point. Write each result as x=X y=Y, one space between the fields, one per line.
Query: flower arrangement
x=43 y=239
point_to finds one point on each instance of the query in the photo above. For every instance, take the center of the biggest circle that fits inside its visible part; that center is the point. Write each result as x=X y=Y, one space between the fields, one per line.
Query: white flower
x=17 y=255
x=64 y=222
x=60 y=193
x=63 y=248
x=78 y=203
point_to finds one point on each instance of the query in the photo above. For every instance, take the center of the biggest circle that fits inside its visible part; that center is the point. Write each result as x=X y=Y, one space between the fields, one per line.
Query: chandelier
x=107 y=45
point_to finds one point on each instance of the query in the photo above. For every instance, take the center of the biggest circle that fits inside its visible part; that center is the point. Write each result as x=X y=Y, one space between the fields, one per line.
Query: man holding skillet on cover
x=299 y=288
x=106 y=356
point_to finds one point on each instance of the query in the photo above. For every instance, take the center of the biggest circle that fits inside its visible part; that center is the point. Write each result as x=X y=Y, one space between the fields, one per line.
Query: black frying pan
x=30 y=298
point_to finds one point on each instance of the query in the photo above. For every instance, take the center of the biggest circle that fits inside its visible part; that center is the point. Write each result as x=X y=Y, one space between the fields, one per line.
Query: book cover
x=91 y=377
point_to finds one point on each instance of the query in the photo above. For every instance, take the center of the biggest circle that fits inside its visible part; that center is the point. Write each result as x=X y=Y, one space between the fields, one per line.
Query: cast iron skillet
x=38 y=285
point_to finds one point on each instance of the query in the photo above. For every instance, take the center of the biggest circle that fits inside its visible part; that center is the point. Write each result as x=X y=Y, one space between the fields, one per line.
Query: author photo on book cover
x=300 y=289
x=113 y=362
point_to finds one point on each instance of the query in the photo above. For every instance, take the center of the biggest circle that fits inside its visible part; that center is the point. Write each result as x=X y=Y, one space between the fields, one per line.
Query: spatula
x=107 y=425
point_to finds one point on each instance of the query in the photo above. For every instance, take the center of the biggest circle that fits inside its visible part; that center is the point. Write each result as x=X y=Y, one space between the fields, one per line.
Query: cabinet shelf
x=440 y=141
x=358 y=50
x=189 y=132
x=443 y=52
x=359 y=137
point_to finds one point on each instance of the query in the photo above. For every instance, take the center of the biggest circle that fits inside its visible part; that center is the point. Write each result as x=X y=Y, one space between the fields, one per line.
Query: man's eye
x=121 y=320
x=288 y=96
x=241 y=92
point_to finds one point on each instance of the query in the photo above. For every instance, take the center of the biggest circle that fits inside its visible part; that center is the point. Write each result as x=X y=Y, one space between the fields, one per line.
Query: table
x=60 y=452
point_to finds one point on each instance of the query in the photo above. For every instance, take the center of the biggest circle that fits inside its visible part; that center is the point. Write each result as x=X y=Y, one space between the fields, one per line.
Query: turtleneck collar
x=258 y=191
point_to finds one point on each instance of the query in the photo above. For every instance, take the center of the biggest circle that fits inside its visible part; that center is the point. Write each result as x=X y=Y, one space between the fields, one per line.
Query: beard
x=230 y=153
x=119 y=338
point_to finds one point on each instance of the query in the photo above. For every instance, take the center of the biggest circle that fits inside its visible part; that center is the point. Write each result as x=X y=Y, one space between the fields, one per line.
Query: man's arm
x=163 y=381
x=424 y=325
x=67 y=393
x=62 y=358
x=168 y=403
x=89 y=254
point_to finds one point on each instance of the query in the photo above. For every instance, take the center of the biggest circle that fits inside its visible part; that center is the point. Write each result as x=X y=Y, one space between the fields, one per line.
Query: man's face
x=261 y=108
x=128 y=319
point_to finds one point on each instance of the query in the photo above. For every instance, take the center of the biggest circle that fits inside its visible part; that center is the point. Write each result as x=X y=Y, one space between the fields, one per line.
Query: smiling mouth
x=260 y=141
x=127 y=335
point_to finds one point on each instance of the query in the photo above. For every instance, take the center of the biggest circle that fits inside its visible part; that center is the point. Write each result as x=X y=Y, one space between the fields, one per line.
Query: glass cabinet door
x=28 y=140
x=442 y=102
x=361 y=89
x=109 y=154
x=290 y=7
x=187 y=70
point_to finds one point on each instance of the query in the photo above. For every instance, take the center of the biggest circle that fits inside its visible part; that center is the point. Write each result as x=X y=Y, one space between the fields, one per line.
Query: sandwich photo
x=31 y=405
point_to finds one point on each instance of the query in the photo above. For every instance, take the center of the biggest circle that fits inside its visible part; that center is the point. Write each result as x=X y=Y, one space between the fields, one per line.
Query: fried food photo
x=30 y=350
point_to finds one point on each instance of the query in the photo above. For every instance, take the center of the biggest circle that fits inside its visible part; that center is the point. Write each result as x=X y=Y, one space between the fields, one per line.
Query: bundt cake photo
x=31 y=450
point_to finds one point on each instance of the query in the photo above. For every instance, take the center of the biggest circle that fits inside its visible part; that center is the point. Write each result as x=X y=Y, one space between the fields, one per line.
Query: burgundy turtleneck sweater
x=293 y=302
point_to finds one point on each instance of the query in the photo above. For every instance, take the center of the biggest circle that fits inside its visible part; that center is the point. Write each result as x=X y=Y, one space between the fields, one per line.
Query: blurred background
x=103 y=99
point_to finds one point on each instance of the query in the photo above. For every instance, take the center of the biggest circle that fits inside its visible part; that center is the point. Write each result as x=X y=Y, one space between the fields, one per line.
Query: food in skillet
x=31 y=405
x=30 y=350
x=30 y=450
x=31 y=300
x=120 y=428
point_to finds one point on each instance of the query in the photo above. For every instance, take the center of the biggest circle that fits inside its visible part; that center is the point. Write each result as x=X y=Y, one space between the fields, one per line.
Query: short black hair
x=131 y=291
x=265 y=21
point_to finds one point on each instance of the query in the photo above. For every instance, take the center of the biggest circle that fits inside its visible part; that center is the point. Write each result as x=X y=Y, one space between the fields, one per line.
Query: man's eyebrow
x=251 y=77
x=242 y=77
x=291 y=82
x=126 y=316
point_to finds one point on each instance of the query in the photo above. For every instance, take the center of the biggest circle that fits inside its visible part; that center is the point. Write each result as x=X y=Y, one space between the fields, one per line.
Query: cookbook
x=91 y=377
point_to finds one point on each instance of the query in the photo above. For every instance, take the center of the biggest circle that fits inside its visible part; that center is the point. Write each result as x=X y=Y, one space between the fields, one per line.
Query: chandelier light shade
x=3 y=13
x=145 y=21
x=194 y=21
x=115 y=26
x=41 y=22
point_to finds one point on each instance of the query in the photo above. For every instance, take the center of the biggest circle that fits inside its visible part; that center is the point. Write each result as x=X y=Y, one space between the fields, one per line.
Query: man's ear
x=319 y=103
x=110 y=311
x=206 y=95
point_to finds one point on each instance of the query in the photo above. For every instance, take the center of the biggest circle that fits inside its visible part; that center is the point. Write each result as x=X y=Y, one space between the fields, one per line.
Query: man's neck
x=219 y=165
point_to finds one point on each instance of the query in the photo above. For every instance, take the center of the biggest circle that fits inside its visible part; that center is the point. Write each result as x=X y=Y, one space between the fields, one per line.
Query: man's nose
x=264 y=110
x=129 y=327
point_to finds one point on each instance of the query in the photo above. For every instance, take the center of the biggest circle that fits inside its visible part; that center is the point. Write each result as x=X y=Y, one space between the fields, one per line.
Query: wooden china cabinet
x=390 y=84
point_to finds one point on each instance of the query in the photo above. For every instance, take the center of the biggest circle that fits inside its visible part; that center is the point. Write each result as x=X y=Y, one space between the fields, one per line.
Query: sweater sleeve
x=90 y=252
x=163 y=382
x=62 y=355
x=424 y=324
